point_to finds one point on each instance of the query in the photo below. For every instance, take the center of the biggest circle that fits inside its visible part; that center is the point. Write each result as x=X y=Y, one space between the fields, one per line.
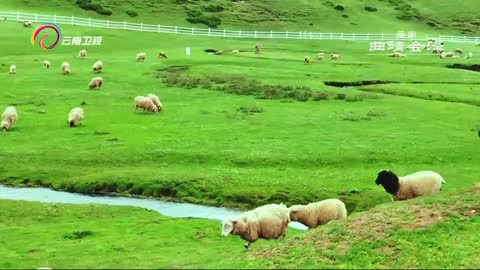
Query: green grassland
x=237 y=130
x=431 y=232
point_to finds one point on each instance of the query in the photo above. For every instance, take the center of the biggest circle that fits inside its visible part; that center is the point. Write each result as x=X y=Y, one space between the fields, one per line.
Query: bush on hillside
x=89 y=5
x=339 y=7
x=132 y=13
x=370 y=9
x=213 y=8
x=208 y=20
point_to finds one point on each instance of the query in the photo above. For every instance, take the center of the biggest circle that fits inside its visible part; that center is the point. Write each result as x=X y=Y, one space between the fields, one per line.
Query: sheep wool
x=66 y=68
x=315 y=214
x=334 y=56
x=46 y=64
x=155 y=101
x=410 y=186
x=162 y=54
x=75 y=117
x=320 y=56
x=266 y=222
x=82 y=54
x=13 y=69
x=306 y=60
x=9 y=117
x=141 y=57
x=145 y=103
x=96 y=82
x=97 y=67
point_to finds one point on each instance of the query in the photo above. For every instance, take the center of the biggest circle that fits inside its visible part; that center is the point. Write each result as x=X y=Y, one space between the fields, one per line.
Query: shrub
x=213 y=8
x=77 y=235
x=345 y=16
x=339 y=7
x=340 y=96
x=197 y=16
x=249 y=109
x=317 y=96
x=89 y=5
x=132 y=13
x=356 y=98
x=370 y=9
x=105 y=12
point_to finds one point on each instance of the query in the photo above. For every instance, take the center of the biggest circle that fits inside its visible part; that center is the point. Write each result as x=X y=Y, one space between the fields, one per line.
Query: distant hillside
x=300 y=15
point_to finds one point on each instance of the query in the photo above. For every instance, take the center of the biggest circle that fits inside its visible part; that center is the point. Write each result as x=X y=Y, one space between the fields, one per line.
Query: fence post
x=209 y=31
x=310 y=35
x=331 y=35
x=368 y=36
x=382 y=36
x=36 y=18
x=89 y=22
x=193 y=33
x=286 y=35
x=224 y=33
x=18 y=16
x=125 y=25
x=55 y=18
x=72 y=21
x=271 y=34
x=353 y=36
x=176 y=29
x=255 y=33
x=108 y=24
x=240 y=33
x=341 y=36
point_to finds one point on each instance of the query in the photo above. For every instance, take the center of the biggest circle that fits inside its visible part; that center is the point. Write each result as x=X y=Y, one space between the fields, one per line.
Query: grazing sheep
x=438 y=50
x=75 y=117
x=219 y=52
x=315 y=214
x=46 y=64
x=320 y=56
x=410 y=186
x=27 y=24
x=334 y=56
x=458 y=50
x=3 y=19
x=65 y=68
x=97 y=67
x=470 y=55
x=396 y=54
x=267 y=222
x=306 y=60
x=162 y=54
x=9 y=117
x=444 y=55
x=141 y=57
x=156 y=101
x=146 y=104
x=235 y=51
x=258 y=49
x=13 y=69
x=96 y=82
x=82 y=54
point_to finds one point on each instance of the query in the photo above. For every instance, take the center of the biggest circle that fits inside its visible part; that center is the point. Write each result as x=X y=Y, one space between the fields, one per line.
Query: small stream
x=169 y=209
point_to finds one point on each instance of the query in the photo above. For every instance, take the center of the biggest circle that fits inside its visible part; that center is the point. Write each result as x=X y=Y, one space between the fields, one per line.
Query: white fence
x=89 y=22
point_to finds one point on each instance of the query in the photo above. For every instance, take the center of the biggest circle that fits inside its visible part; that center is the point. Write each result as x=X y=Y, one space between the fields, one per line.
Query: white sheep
x=96 y=82
x=75 y=117
x=9 y=117
x=156 y=101
x=27 y=24
x=266 y=222
x=82 y=53
x=219 y=52
x=315 y=214
x=145 y=103
x=410 y=186
x=320 y=56
x=470 y=55
x=141 y=57
x=334 y=56
x=306 y=60
x=97 y=67
x=162 y=54
x=13 y=69
x=46 y=64
x=444 y=55
x=65 y=68
x=235 y=51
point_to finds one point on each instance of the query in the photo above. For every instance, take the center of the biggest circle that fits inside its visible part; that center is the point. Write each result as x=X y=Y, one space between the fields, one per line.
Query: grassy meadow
x=237 y=130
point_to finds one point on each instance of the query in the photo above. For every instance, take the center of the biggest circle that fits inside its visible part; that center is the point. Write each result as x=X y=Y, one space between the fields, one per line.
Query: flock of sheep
x=271 y=221
x=321 y=56
x=150 y=102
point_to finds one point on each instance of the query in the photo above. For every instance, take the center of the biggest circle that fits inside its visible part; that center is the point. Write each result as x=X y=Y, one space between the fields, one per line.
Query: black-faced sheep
x=9 y=117
x=75 y=117
x=46 y=64
x=146 y=104
x=96 y=82
x=97 y=67
x=141 y=57
x=315 y=214
x=27 y=24
x=65 y=68
x=13 y=69
x=306 y=60
x=155 y=101
x=410 y=186
x=266 y=222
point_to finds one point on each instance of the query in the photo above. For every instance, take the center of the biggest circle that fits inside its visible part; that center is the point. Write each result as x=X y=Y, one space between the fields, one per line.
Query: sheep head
x=295 y=212
x=5 y=125
x=388 y=180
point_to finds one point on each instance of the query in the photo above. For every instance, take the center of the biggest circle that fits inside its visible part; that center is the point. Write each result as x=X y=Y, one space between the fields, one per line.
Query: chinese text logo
x=41 y=28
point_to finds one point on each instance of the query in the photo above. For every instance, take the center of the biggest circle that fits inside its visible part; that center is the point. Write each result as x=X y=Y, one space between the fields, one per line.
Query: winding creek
x=169 y=209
